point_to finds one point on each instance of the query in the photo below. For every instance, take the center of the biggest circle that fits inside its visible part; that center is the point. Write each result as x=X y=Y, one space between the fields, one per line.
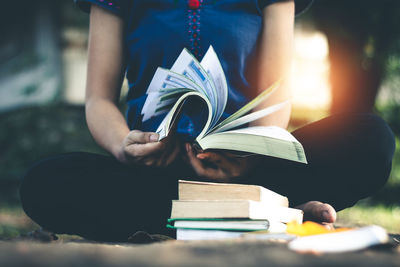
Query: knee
x=378 y=142
x=39 y=196
x=376 y=148
x=31 y=190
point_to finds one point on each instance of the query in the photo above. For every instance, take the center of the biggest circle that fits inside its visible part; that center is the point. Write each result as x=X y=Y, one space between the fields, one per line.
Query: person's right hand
x=144 y=148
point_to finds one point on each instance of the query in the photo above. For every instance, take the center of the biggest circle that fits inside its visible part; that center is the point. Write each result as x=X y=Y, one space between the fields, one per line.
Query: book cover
x=247 y=209
x=218 y=224
x=194 y=190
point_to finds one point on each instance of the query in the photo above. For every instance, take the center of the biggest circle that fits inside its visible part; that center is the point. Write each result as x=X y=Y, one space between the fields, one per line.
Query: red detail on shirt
x=194 y=4
x=194 y=25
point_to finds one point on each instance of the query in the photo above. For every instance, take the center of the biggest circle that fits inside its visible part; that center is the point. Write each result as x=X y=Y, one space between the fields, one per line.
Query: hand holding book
x=220 y=166
x=144 y=148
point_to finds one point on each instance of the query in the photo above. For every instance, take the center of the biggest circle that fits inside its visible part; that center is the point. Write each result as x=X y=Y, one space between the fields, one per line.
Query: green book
x=213 y=229
x=202 y=86
x=218 y=224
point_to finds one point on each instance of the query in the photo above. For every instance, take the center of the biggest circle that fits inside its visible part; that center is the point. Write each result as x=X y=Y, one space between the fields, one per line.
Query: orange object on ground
x=310 y=228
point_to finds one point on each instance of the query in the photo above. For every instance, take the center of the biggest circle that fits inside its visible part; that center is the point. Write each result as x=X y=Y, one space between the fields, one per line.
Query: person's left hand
x=218 y=166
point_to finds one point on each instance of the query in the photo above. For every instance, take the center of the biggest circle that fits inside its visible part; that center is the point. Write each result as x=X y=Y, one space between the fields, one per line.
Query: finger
x=203 y=155
x=213 y=161
x=217 y=153
x=143 y=150
x=194 y=162
x=226 y=165
x=217 y=158
x=210 y=156
x=206 y=161
x=151 y=160
x=213 y=173
x=169 y=156
x=148 y=161
x=139 y=137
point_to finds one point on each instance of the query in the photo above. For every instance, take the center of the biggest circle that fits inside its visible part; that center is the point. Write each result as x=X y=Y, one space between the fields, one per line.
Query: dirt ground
x=184 y=253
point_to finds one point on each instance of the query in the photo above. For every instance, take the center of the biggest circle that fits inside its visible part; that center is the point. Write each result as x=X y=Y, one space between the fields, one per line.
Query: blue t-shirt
x=158 y=30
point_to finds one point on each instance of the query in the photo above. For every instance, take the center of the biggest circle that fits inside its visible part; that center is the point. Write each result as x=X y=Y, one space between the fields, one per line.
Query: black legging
x=99 y=198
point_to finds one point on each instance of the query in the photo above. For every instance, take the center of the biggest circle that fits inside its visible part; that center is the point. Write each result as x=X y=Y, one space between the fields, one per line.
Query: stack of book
x=217 y=211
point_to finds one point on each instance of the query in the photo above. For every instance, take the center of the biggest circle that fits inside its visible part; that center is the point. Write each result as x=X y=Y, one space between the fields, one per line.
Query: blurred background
x=347 y=58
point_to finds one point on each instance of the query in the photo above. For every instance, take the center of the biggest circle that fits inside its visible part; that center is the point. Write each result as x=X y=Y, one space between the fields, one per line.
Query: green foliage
x=72 y=16
x=37 y=132
x=28 y=135
x=361 y=214
x=368 y=27
x=14 y=222
x=391 y=114
x=10 y=231
x=395 y=175
x=393 y=64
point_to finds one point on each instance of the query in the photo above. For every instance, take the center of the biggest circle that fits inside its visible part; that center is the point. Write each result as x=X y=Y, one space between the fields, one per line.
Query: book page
x=169 y=120
x=251 y=117
x=156 y=104
x=163 y=82
x=269 y=131
x=188 y=66
x=264 y=140
x=212 y=65
x=164 y=100
x=251 y=105
x=164 y=79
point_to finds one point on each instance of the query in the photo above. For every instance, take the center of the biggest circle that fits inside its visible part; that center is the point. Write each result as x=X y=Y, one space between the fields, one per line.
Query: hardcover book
x=193 y=190
x=244 y=209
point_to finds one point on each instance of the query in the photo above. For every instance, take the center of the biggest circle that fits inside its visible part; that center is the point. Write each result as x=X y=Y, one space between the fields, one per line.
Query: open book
x=190 y=83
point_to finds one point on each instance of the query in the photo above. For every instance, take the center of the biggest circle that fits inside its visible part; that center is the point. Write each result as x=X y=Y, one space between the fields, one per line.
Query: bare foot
x=318 y=212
